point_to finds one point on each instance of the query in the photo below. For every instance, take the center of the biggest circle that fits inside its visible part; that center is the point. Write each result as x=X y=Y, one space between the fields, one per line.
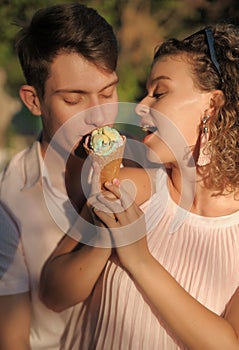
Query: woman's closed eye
x=158 y=95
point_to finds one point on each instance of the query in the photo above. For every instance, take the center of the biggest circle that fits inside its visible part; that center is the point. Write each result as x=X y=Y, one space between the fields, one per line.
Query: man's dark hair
x=64 y=28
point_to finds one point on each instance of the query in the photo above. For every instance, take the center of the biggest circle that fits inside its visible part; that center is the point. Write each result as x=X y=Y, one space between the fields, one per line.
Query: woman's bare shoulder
x=142 y=181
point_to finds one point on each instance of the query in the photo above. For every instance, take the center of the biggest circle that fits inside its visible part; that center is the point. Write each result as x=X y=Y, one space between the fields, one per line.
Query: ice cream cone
x=109 y=164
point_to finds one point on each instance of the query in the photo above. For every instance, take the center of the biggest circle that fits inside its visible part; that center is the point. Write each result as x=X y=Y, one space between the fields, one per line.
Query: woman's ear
x=30 y=98
x=217 y=100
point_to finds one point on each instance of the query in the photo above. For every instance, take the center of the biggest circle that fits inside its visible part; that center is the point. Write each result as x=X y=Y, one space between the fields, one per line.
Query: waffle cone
x=109 y=165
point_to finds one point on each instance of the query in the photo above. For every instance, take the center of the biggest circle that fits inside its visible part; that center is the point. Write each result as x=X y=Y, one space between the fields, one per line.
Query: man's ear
x=30 y=98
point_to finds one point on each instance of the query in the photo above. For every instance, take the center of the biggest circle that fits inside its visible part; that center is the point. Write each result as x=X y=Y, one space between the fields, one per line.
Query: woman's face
x=174 y=106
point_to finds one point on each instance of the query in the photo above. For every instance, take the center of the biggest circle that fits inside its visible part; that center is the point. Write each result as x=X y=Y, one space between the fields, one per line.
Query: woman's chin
x=149 y=138
x=152 y=156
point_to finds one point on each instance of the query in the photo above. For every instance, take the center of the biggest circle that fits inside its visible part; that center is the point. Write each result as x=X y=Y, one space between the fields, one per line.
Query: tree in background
x=139 y=25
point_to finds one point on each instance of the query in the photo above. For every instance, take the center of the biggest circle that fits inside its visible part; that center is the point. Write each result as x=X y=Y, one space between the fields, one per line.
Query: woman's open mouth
x=148 y=129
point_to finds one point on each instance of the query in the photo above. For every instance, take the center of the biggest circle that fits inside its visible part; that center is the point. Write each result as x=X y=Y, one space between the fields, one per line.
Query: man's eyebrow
x=114 y=82
x=70 y=91
x=79 y=91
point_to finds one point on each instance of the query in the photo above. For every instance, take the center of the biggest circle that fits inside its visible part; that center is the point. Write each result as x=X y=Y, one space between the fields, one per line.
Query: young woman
x=175 y=284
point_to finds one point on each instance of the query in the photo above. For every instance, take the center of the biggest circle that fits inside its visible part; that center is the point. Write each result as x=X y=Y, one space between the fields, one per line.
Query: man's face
x=75 y=85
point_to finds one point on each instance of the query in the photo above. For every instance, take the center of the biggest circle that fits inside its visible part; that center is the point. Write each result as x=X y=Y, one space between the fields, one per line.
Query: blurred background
x=139 y=26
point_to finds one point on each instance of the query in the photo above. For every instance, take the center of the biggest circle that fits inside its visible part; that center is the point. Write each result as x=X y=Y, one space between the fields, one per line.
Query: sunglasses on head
x=211 y=47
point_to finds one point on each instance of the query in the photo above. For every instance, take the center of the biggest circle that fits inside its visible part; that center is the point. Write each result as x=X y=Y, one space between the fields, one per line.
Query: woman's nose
x=142 y=109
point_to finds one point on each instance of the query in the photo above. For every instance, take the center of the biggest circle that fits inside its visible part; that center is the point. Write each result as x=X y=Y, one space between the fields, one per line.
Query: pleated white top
x=202 y=255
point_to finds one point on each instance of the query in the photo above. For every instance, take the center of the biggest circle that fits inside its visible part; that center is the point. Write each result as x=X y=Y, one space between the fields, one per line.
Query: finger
x=113 y=204
x=96 y=204
x=124 y=208
x=121 y=192
x=116 y=211
x=107 y=218
x=113 y=187
x=95 y=181
x=128 y=217
x=109 y=196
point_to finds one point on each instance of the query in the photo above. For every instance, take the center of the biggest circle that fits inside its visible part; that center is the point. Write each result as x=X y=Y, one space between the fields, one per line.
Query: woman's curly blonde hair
x=223 y=172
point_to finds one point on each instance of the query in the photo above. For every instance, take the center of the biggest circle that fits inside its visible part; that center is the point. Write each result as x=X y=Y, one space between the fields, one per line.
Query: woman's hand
x=117 y=210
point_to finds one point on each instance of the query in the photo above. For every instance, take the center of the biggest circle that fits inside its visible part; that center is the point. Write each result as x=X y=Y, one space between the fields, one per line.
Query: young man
x=68 y=54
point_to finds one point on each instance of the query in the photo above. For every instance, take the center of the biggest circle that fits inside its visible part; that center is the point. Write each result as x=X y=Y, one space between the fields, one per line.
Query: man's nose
x=96 y=116
x=101 y=113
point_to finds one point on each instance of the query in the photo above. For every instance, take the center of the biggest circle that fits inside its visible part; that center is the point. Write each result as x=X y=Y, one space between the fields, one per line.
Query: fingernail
x=116 y=181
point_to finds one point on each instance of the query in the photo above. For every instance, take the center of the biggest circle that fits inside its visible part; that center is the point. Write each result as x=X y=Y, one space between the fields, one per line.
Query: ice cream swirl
x=105 y=140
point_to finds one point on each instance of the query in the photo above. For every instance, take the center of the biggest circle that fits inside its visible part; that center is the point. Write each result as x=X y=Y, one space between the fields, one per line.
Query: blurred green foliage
x=172 y=17
x=139 y=25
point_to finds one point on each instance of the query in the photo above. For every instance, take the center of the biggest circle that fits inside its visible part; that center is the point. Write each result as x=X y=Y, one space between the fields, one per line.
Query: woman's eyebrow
x=160 y=77
x=156 y=79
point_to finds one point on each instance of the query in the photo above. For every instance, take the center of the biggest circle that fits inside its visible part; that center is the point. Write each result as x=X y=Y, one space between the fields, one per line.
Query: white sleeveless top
x=202 y=254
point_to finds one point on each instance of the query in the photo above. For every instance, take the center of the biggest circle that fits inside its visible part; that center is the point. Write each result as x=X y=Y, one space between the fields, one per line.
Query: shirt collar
x=33 y=171
x=33 y=165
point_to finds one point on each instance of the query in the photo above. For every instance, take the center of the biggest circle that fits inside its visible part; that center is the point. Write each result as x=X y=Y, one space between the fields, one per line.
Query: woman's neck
x=192 y=195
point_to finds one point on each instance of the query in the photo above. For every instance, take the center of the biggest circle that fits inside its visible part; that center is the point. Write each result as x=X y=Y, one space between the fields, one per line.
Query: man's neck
x=73 y=181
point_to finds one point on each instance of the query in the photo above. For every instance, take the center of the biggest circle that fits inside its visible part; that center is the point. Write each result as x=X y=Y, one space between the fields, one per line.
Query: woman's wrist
x=135 y=259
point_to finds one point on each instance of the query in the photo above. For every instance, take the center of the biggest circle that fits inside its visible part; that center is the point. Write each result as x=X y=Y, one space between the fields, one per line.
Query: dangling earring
x=204 y=157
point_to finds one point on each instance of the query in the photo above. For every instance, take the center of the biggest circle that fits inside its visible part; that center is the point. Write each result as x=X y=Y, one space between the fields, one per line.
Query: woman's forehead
x=169 y=67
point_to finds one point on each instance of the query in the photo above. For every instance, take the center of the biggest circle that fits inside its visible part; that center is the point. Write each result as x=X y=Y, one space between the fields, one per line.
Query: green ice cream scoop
x=105 y=140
